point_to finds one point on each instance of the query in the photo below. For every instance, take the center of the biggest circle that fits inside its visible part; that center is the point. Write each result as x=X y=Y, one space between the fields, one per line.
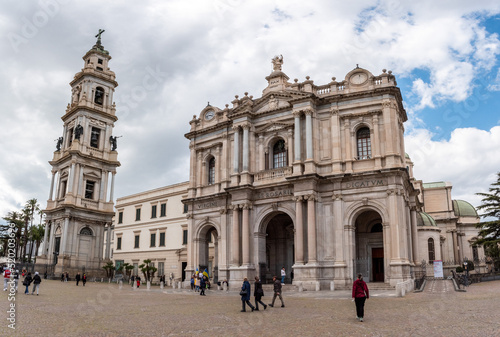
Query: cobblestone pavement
x=62 y=309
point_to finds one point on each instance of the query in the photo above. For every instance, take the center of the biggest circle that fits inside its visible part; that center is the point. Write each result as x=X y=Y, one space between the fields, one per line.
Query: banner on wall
x=438 y=268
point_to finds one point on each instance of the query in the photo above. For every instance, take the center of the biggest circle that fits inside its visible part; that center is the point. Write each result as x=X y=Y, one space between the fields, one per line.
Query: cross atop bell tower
x=84 y=164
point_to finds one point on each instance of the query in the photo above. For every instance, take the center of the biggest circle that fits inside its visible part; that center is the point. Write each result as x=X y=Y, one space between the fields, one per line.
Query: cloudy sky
x=445 y=55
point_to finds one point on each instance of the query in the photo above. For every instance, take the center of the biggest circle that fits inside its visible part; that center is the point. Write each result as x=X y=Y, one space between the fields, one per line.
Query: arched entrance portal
x=208 y=252
x=369 y=251
x=279 y=248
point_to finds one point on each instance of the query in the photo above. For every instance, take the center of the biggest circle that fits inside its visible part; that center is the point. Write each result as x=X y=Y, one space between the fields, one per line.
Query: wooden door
x=378 y=264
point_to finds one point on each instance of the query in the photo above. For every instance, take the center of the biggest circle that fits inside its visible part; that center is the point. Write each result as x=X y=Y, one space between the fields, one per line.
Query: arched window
x=364 y=146
x=86 y=231
x=430 y=245
x=211 y=171
x=99 y=95
x=475 y=253
x=279 y=154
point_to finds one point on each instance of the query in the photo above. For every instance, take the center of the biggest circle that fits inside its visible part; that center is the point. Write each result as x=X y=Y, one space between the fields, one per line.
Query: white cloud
x=211 y=51
x=469 y=159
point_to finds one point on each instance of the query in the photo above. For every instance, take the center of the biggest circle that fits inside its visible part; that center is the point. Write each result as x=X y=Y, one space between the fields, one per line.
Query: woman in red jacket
x=360 y=294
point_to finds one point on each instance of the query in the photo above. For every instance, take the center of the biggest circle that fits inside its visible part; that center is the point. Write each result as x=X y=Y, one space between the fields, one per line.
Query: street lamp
x=466 y=273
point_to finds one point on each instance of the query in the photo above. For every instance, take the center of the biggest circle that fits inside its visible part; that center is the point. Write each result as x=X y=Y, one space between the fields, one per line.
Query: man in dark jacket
x=203 y=285
x=277 y=292
x=258 y=293
x=36 y=284
x=77 y=278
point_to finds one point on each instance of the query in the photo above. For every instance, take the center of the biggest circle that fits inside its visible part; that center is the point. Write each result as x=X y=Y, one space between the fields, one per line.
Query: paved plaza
x=62 y=309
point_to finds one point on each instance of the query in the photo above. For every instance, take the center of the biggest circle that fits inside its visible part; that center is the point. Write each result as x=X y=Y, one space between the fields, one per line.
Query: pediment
x=92 y=175
x=271 y=102
x=273 y=127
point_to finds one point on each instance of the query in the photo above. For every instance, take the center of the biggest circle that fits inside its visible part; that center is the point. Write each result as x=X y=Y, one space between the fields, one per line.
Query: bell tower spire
x=80 y=204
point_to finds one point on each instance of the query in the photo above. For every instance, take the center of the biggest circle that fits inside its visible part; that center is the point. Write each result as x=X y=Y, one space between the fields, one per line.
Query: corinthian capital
x=308 y=112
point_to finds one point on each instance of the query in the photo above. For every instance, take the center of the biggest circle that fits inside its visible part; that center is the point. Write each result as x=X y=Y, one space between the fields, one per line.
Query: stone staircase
x=269 y=288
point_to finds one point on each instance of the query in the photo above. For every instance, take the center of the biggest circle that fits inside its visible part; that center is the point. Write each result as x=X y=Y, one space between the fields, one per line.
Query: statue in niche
x=78 y=131
x=59 y=143
x=277 y=62
x=273 y=103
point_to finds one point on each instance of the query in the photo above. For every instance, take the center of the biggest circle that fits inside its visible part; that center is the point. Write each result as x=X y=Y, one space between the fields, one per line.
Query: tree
x=489 y=233
x=30 y=209
x=14 y=220
x=110 y=269
x=128 y=270
x=36 y=235
x=148 y=270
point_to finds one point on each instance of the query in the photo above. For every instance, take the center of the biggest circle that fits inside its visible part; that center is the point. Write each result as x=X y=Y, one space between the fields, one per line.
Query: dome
x=463 y=208
x=424 y=219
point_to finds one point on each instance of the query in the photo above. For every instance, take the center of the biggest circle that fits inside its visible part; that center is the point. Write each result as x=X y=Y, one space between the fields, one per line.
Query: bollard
x=224 y=287
x=179 y=285
x=317 y=286
x=301 y=287
x=148 y=285
x=162 y=285
x=120 y=284
x=135 y=285
x=332 y=285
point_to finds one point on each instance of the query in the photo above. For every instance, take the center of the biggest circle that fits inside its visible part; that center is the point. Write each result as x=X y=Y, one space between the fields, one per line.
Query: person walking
x=360 y=294
x=84 y=279
x=26 y=282
x=6 y=278
x=277 y=292
x=77 y=278
x=245 y=295
x=258 y=293
x=283 y=275
x=138 y=279
x=203 y=285
x=196 y=283
x=16 y=279
x=36 y=284
x=192 y=282
x=132 y=279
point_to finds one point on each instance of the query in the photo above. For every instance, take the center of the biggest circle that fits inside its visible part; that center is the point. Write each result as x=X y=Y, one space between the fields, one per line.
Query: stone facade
x=80 y=203
x=312 y=178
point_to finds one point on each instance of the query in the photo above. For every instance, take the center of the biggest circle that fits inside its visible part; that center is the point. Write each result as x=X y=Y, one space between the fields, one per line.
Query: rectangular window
x=162 y=239
x=161 y=268
x=185 y=208
x=153 y=211
x=120 y=217
x=153 y=240
x=89 y=189
x=70 y=137
x=118 y=243
x=163 y=210
x=99 y=61
x=136 y=241
x=94 y=137
x=137 y=214
x=184 y=237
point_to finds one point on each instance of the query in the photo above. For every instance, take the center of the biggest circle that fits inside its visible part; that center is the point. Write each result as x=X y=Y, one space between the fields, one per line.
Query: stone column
x=299 y=231
x=192 y=166
x=245 y=244
x=80 y=180
x=339 y=237
x=376 y=138
x=455 y=250
x=58 y=185
x=246 y=144
x=45 y=237
x=236 y=149
x=235 y=249
x=108 y=242
x=70 y=178
x=311 y=229
x=309 y=135
x=296 y=146
x=199 y=179
x=389 y=128
x=290 y=147
x=104 y=184
x=347 y=145
x=336 y=143
x=64 y=236
x=218 y=158
x=414 y=232
x=262 y=155
x=112 y=186
x=50 y=254
x=52 y=184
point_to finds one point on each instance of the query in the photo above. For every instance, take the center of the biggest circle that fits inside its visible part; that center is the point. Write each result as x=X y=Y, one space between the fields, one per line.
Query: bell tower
x=80 y=204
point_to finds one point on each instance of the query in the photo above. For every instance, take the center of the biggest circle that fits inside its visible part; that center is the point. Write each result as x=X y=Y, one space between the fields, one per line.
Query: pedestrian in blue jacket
x=245 y=295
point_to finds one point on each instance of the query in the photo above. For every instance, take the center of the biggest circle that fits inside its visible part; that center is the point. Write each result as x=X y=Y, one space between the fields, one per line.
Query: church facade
x=80 y=204
x=313 y=178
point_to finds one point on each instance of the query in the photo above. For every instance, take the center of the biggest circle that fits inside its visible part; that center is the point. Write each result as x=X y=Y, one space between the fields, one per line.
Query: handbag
x=243 y=293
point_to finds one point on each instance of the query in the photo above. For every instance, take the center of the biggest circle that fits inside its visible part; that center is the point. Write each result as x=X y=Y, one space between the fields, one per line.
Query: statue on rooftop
x=277 y=62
